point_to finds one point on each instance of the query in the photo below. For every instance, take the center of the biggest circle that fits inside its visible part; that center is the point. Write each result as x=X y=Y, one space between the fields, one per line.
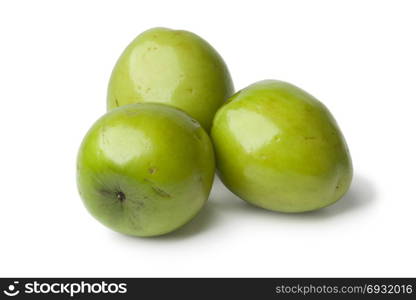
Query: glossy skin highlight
x=145 y=169
x=174 y=67
x=279 y=148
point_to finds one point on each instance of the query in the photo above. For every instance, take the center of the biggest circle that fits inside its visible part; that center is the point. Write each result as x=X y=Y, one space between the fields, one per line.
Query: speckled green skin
x=145 y=169
x=279 y=148
x=174 y=67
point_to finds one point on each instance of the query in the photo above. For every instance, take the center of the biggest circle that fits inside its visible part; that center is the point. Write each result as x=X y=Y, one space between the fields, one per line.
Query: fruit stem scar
x=120 y=196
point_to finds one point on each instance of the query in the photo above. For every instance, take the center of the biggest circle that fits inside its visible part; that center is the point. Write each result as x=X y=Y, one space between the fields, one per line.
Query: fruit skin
x=145 y=169
x=174 y=67
x=279 y=148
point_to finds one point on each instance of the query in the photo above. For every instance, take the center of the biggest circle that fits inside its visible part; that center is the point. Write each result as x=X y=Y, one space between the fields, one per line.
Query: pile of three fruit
x=146 y=169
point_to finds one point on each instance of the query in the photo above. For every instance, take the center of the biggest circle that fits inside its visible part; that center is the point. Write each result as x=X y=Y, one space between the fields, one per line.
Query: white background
x=358 y=57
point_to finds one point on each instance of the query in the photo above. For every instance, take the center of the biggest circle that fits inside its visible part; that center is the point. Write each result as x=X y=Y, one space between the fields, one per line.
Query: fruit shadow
x=224 y=205
x=362 y=194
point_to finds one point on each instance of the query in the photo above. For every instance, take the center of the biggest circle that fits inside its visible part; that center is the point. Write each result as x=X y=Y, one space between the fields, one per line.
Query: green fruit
x=279 y=148
x=174 y=67
x=145 y=169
